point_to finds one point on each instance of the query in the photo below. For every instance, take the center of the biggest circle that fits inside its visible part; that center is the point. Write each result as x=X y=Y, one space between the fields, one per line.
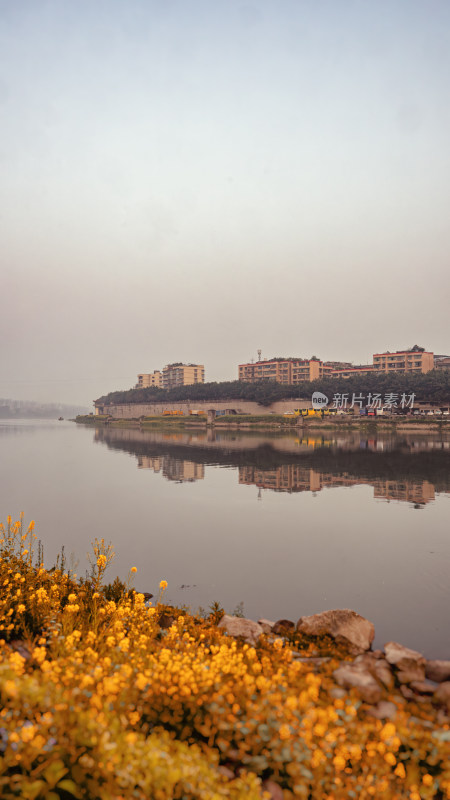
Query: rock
x=408 y=693
x=226 y=772
x=411 y=675
x=20 y=647
x=166 y=620
x=266 y=625
x=240 y=626
x=346 y=627
x=283 y=626
x=274 y=789
x=311 y=660
x=383 y=710
x=442 y=696
x=355 y=676
x=383 y=673
x=423 y=687
x=438 y=671
x=404 y=659
x=337 y=693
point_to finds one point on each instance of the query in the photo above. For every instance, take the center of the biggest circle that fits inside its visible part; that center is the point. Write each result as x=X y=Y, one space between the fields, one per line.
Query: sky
x=182 y=180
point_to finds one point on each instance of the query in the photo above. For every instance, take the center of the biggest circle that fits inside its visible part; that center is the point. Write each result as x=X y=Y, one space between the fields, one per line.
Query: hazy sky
x=187 y=180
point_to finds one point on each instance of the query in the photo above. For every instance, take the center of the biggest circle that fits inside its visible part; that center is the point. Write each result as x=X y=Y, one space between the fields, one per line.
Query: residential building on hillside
x=282 y=370
x=182 y=375
x=349 y=372
x=415 y=360
x=146 y=379
x=442 y=362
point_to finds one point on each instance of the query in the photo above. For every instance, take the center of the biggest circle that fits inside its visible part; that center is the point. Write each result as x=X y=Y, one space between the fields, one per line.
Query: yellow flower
x=10 y=688
x=427 y=780
x=285 y=732
x=388 y=731
x=163 y=585
x=133 y=569
x=339 y=762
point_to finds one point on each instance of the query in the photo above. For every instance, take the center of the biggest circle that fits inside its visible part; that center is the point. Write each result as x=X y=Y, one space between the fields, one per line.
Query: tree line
x=433 y=386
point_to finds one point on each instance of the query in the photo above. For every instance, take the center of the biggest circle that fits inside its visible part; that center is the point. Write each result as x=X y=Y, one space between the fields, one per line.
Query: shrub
x=111 y=705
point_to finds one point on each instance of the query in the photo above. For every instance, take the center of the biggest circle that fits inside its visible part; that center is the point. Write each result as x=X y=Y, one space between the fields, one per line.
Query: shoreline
x=267 y=422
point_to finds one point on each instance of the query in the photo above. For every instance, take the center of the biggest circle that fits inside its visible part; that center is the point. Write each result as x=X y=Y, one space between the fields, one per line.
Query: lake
x=280 y=525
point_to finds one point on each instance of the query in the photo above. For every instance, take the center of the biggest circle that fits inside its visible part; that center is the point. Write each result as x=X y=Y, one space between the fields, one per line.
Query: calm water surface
x=287 y=526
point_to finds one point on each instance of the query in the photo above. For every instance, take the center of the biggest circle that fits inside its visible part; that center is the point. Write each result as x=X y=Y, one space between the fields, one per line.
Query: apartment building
x=349 y=372
x=282 y=370
x=442 y=362
x=415 y=360
x=182 y=375
x=146 y=379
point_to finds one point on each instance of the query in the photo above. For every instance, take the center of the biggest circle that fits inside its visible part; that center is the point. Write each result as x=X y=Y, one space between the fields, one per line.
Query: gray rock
x=383 y=710
x=239 y=626
x=355 y=676
x=266 y=625
x=283 y=626
x=345 y=626
x=378 y=667
x=383 y=673
x=403 y=658
x=20 y=647
x=337 y=693
x=226 y=772
x=411 y=674
x=438 y=671
x=274 y=789
x=442 y=696
x=423 y=687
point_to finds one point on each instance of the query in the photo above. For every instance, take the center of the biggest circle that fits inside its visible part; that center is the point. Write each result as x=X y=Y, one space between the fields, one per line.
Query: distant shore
x=273 y=422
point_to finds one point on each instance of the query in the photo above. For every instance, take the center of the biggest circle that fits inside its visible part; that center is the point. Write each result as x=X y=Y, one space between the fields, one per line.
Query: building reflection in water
x=407 y=468
x=174 y=469
x=294 y=478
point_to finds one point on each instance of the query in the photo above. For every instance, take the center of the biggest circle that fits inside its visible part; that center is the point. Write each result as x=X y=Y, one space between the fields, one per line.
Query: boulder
x=411 y=675
x=345 y=626
x=21 y=647
x=383 y=673
x=283 y=626
x=409 y=663
x=378 y=667
x=383 y=710
x=355 y=676
x=442 y=696
x=240 y=626
x=266 y=625
x=423 y=687
x=274 y=789
x=438 y=671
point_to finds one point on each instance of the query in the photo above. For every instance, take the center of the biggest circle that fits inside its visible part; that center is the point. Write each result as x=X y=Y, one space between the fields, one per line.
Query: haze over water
x=285 y=525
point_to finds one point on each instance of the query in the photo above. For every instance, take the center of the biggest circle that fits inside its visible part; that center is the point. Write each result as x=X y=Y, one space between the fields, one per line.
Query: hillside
x=433 y=386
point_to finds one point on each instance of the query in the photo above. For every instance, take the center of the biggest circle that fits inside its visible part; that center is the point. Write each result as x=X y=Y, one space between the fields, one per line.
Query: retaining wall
x=136 y=410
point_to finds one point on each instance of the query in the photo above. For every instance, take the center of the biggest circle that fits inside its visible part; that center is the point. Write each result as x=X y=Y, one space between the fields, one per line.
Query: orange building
x=146 y=379
x=414 y=360
x=282 y=370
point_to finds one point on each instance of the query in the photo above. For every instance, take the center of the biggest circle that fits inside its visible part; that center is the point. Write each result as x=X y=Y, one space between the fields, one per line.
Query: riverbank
x=105 y=694
x=274 y=422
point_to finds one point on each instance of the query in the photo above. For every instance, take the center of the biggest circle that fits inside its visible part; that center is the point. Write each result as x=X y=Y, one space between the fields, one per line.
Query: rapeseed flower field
x=100 y=700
